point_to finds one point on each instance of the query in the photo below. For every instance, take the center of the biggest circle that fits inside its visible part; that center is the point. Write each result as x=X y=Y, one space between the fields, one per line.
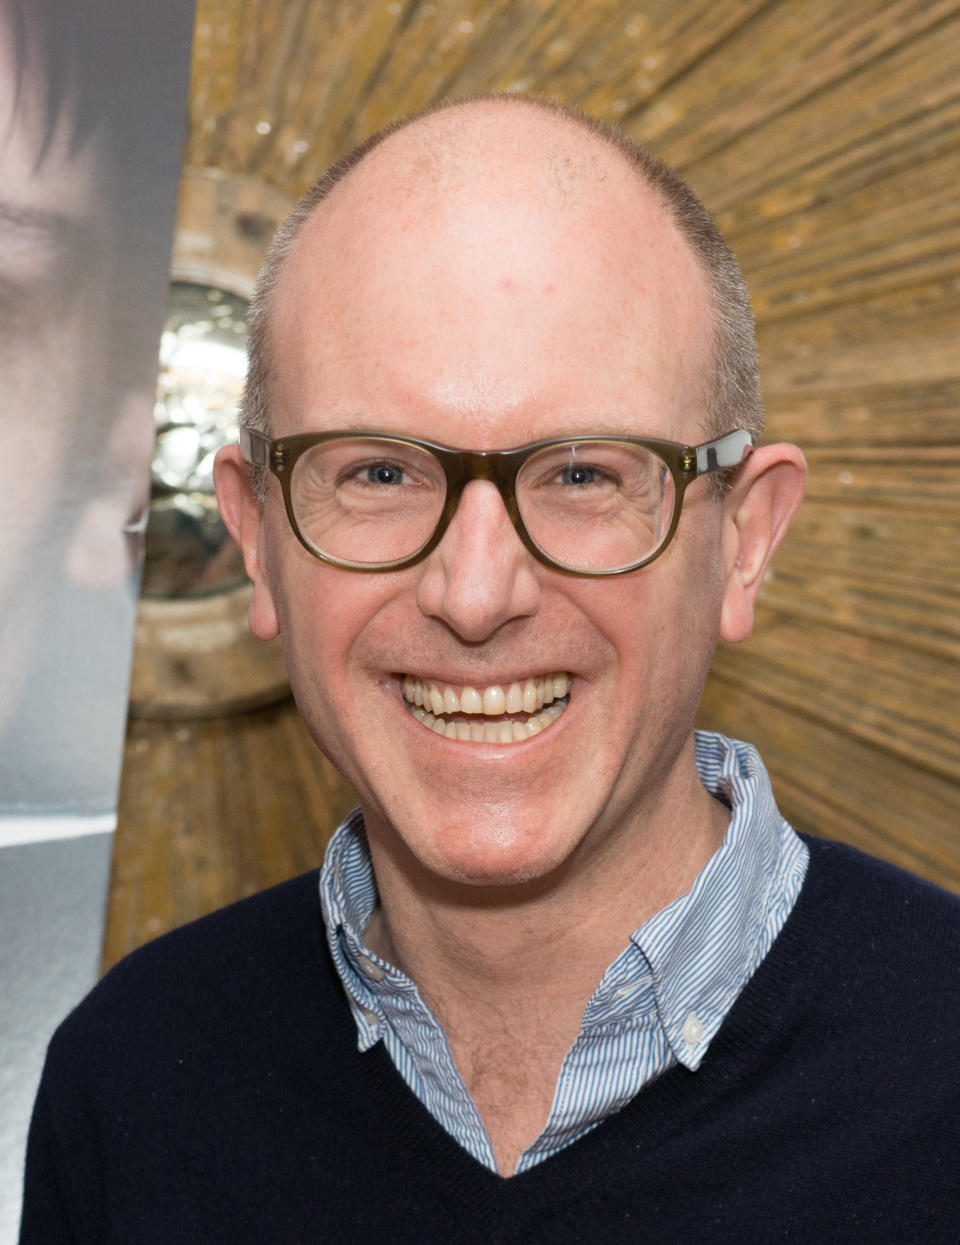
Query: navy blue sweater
x=210 y=1090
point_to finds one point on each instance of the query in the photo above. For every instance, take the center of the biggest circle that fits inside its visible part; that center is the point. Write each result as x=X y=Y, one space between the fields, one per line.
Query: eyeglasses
x=586 y=505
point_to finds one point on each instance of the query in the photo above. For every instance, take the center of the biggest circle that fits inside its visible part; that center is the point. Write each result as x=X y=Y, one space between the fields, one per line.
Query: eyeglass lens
x=597 y=505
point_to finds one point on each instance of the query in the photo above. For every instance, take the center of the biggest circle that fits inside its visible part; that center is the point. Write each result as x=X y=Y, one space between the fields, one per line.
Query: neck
x=507 y=971
x=499 y=941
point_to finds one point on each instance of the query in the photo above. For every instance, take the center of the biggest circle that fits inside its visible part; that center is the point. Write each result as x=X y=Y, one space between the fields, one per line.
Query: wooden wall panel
x=214 y=810
x=826 y=140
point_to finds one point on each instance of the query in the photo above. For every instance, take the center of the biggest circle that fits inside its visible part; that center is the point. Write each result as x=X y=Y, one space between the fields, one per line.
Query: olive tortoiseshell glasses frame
x=501 y=467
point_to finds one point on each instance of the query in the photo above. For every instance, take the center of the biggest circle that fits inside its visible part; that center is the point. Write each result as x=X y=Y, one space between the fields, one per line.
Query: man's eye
x=377 y=473
x=577 y=474
x=384 y=473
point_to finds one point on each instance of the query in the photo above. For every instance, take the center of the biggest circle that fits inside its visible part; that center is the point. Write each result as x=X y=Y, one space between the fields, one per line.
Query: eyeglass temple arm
x=254 y=446
x=726 y=451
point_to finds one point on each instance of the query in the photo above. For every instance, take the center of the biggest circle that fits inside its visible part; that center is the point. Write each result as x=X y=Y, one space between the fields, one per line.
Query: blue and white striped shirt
x=660 y=1002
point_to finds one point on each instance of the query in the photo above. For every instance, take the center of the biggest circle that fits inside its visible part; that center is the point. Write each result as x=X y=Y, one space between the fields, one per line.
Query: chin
x=492 y=858
x=493 y=874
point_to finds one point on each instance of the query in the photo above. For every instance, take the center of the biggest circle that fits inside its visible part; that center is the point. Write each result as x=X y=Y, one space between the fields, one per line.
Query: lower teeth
x=503 y=731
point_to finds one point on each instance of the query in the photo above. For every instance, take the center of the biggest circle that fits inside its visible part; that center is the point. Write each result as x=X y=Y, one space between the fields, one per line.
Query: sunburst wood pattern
x=826 y=140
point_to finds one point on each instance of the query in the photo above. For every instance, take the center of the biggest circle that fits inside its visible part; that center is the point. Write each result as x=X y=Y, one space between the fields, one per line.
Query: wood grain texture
x=826 y=140
x=211 y=811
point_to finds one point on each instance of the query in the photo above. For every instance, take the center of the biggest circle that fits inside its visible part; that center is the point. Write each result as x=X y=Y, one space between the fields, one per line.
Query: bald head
x=505 y=172
x=442 y=153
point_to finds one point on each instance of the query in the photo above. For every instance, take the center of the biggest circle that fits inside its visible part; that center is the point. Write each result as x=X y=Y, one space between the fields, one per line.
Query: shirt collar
x=693 y=957
x=348 y=896
x=703 y=948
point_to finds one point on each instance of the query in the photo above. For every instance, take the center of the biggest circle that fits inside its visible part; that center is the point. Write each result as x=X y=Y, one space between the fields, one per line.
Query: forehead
x=518 y=284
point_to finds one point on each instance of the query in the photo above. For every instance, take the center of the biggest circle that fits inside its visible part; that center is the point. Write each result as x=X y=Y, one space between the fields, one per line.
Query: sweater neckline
x=765 y=1009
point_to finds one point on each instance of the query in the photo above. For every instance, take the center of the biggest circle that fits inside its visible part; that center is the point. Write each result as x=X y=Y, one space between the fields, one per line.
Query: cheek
x=314 y=633
x=698 y=611
x=315 y=650
x=332 y=627
x=665 y=627
x=698 y=598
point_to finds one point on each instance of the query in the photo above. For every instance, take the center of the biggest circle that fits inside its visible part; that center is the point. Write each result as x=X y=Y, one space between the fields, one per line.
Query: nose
x=480 y=576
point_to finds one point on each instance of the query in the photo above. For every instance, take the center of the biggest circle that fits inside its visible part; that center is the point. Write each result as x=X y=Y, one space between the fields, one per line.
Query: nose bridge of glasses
x=499 y=468
x=464 y=467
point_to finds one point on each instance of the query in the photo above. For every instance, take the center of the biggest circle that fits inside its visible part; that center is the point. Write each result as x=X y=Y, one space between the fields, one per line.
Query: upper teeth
x=493 y=700
x=540 y=700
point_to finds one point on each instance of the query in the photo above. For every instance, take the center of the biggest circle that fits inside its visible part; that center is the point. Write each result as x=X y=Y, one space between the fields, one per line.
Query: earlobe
x=758 y=512
x=264 y=622
x=242 y=514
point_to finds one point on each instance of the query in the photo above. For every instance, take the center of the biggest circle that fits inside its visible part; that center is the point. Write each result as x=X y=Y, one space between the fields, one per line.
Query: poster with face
x=92 y=111
x=86 y=195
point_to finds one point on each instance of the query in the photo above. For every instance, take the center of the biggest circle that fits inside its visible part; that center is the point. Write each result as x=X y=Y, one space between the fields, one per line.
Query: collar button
x=370 y=969
x=693 y=1029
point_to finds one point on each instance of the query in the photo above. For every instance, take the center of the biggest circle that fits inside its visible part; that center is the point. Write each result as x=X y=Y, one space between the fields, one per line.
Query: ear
x=243 y=516
x=757 y=513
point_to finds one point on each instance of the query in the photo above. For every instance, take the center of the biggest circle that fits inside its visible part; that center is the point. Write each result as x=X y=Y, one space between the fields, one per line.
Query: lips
x=496 y=713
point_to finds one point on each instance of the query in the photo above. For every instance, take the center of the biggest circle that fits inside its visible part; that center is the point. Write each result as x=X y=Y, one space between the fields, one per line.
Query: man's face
x=498 y=312
x=50 y=312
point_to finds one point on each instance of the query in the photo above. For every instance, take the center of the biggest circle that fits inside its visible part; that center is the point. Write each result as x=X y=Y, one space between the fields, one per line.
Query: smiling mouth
x=495 y=714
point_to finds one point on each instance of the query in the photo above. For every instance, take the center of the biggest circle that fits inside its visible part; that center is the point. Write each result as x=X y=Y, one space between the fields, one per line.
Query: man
x=563 y=941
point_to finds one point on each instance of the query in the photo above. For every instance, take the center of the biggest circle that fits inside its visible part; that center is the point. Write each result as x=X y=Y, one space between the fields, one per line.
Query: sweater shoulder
x=860 y=875
x=283 y=920
x=886 y=922
x=261 y=956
